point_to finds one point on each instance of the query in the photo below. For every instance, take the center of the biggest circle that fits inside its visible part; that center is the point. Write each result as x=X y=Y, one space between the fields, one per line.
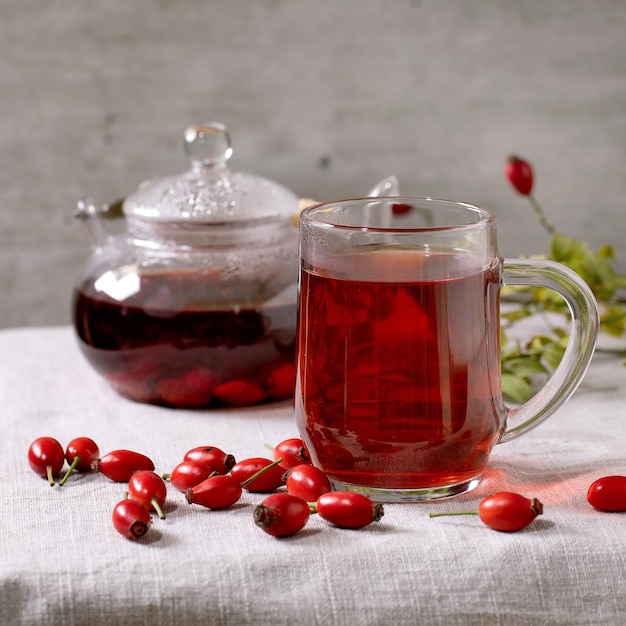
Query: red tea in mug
x=398 y=386
x=399 y=372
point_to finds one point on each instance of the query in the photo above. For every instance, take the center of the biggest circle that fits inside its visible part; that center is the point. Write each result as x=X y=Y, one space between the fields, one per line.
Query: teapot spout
x=90 y=215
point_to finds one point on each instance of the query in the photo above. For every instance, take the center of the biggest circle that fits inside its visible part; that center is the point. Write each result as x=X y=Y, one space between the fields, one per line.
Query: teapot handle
x=580 y=347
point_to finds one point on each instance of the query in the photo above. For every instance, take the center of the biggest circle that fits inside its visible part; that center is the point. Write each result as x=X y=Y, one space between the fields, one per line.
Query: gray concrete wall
x=326 y=97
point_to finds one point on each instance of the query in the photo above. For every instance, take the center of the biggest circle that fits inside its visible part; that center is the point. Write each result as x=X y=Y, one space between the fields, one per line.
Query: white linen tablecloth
x=62 y=562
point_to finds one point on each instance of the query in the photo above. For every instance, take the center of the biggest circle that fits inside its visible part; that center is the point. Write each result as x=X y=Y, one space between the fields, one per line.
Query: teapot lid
x=210 y=193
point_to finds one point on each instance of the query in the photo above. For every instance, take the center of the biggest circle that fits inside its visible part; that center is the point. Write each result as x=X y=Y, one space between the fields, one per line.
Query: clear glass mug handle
x=580 y=347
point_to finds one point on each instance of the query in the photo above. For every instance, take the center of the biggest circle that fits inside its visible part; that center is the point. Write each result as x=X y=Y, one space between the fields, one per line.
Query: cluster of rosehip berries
x=211 y=478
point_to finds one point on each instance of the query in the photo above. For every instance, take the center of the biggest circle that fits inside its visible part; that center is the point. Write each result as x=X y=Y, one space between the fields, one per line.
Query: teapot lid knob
x=207 y=145
x=210 y=193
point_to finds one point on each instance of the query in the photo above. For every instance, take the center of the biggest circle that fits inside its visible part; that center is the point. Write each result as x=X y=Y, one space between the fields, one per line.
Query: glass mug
x=398 y=389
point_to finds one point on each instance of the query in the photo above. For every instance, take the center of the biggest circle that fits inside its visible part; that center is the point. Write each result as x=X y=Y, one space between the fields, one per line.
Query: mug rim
x=488 y=217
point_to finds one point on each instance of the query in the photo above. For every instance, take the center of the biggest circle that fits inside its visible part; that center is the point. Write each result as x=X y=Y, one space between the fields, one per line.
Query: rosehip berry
x=192 y=390
x=258 y=475
x=210 y=456
x=239 y=393
x=148 y=488
x=131 y=519
x=504 y=511
x=608 y=494
x=508 y=512
x=348 y=509
x=292 y=451
x=401 y=208
x=307 y=482
x=80 y=453
x=216 y=492
x=519 y=174
x=281 y=514
x=281 y=382
x=46 y=457
x=188 y=474
x=120 y=465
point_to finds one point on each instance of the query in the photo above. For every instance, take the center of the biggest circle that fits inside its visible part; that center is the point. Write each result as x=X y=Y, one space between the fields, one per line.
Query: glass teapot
x=194 y=304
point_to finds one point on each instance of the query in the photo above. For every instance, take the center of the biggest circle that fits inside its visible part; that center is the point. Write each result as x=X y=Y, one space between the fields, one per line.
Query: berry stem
x=75 y=462
x=157 y=508
x=49 y=475
x=445 y=513
x=541 y=216
x=254 y=476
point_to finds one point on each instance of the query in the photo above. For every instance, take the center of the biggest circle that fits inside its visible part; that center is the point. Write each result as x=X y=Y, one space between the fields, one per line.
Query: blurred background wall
x=325 y=97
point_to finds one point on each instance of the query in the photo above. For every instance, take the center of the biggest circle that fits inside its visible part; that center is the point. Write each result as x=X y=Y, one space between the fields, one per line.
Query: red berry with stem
x=80 y=453
x=120 y=465
x=188 y=474
x=281 y=514
x=504 y=511
x=258 y=475
x=520 y=175
x=292 y=451
x=608 y=494
x=131 y=519
x=210 y=456
x=148 y=488
x=216 y=492
x=348 y=509
x=46 y=457
x=307 y=482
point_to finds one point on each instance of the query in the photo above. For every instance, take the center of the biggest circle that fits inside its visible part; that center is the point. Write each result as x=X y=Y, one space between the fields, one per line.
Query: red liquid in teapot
x=399 y=382
x=157 y=347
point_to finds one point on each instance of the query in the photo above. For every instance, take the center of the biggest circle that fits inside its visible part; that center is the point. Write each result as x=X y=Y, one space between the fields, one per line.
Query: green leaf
x=613 y=320
x=550 y=299
x=564 y=248
x=598 y=274
x=516 y=315
x=538 y=343
x=510 y=353
x=606 y=252
x=525 y=366
x=515 y=388
x=553 y=355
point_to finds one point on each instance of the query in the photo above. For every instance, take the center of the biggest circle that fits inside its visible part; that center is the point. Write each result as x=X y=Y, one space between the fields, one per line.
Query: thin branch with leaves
x=523 y=362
